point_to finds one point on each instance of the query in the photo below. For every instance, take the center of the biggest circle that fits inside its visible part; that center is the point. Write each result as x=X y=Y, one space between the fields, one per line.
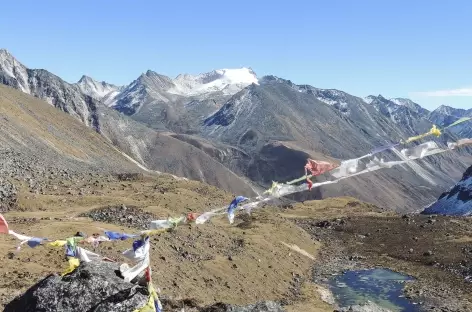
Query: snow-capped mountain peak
x=401 y=101
x=446 y=110
x=229 y=81
x=97 y=89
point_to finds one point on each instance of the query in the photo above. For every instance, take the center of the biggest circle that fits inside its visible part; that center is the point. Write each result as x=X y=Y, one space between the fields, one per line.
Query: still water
x=381 y=286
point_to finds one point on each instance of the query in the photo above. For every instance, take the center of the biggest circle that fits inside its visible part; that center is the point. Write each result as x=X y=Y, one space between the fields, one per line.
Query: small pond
x=381 y=286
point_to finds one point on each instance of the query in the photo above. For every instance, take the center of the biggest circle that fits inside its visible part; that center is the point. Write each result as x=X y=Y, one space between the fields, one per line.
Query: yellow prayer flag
x=73 y=264
x=435 y=131
x=152 y=232
x=58 y=243
x=150 y=306
x=272 y=188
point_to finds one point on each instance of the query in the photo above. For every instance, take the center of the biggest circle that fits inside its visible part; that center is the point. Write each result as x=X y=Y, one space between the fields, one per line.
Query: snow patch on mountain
x=400 y=101
x=410 y=105
x=109 y=99
x=457 y=201
x=228 y=81
x=333 y=97
x=369 y=99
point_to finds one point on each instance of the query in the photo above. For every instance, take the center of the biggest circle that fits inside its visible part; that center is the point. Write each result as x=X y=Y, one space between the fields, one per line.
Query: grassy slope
x=259 y=255
x=33 y=127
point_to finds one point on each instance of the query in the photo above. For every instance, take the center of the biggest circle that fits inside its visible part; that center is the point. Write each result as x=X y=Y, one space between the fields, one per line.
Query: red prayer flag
x=148 y=274
x=310 y=184
x=317 y=167
x=3 y=225
x=191 y=216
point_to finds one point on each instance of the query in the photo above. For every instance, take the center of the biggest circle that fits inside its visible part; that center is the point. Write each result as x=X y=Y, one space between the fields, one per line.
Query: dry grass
x=191 y=262
x=33 y=126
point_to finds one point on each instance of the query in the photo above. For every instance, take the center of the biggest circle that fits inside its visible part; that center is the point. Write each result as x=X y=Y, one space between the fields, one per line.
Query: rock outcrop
x=92 y=287
x=97 y=287
x=457 y=201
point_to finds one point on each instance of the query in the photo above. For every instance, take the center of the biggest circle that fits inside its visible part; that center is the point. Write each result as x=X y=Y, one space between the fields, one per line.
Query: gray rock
x=92 y=287
x=263 y=306
x=369 y=306
x=97 y=287
x=127 y=216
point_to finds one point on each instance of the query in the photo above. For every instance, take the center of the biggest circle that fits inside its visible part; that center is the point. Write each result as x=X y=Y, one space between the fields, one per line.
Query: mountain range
x=240 y=132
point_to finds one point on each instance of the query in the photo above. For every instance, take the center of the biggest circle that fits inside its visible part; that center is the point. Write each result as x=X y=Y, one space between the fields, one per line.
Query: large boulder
x=91 y=287
x=98 y=287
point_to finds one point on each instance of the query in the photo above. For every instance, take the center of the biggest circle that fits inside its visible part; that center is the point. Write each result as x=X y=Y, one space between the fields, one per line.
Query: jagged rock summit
x=99 y=90
x=97 y=287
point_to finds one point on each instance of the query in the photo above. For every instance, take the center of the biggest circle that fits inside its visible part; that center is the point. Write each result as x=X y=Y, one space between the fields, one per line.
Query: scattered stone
x=8 y=195
x=130 y=176
x=122 y=215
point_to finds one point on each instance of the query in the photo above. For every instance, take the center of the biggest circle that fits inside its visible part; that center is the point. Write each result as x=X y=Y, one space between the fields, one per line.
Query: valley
x=93 y=156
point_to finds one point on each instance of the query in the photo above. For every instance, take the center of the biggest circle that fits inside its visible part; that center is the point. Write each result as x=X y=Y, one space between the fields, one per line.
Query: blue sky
x=417 y=49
